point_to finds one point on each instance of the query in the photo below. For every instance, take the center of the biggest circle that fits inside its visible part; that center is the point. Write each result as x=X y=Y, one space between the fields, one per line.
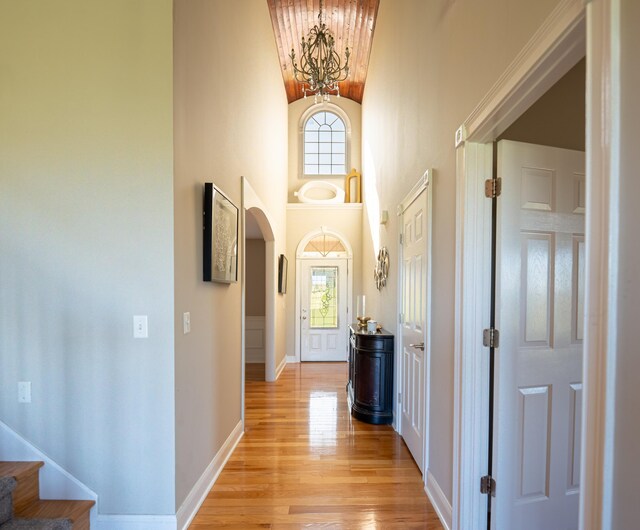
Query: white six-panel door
x=414 y=308
x=324 y=327
x=540 y=305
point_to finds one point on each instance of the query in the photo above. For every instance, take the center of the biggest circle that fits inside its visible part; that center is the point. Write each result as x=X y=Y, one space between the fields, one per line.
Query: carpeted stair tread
x=38 y=524
x=7 y=485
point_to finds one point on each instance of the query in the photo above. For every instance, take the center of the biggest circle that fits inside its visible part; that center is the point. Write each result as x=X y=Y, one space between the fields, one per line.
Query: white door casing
x=413 y=329
x=251 y=201
x=555 y=47
x=301 y=257
x=323 y=313
x=413 y=343
x=540 y=308
x=542 y=61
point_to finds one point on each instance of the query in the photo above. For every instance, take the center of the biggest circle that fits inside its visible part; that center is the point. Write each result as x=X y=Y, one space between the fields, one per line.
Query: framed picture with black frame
x=283 y=264
x=220 y=241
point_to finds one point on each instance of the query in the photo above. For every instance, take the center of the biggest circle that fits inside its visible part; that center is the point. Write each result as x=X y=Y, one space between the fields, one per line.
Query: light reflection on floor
x=323 y=419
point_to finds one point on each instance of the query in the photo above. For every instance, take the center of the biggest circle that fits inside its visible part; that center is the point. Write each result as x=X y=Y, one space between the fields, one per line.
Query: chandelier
x=321 y=67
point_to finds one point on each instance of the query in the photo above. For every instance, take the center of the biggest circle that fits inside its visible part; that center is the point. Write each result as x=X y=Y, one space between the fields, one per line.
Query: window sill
x=328 y=206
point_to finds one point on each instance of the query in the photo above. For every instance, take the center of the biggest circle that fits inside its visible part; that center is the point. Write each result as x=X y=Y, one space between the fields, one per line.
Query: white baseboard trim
x=292 y=359
x=200 y=490
x=281 y=366
x=439 y=501
x=135 y=522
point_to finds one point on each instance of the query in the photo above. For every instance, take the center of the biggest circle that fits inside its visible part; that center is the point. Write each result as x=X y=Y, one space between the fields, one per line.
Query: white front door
x=540 y=301
x=323 y=318
x=414 y=313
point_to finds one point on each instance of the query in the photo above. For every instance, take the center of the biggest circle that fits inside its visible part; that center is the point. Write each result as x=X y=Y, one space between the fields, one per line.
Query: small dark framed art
x=220 y=242
x=282 y=274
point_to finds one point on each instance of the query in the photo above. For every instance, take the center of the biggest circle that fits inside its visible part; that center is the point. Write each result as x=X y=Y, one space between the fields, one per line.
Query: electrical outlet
x=24 y=392
x=140 y=327
x=186 y=323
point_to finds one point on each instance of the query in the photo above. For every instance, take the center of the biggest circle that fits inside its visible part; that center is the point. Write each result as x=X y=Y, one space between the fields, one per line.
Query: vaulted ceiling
x=352 y=23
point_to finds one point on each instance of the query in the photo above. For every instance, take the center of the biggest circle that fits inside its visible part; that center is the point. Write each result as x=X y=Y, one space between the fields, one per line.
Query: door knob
x=304 y=318
x=419 y=346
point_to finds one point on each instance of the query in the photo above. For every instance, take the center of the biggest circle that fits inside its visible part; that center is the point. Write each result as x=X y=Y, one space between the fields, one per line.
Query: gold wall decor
x=347 y=186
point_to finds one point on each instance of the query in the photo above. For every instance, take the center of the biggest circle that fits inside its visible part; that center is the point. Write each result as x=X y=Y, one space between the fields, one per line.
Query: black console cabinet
x=370 y=387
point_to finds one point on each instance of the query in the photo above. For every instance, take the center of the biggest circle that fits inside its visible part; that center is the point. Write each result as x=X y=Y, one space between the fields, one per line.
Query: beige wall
x=86 y=241
x=230 y=121
x=296 y=110
x=431 y=63
x=255 y=283
x=346 y=220
x=557 y=119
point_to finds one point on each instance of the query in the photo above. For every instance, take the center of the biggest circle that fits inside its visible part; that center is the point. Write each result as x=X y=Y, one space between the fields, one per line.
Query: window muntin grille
x=324 y=246
x=325 y=144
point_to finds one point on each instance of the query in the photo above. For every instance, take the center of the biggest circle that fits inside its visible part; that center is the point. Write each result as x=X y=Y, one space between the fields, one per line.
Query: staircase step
x=38 y=524
x=76 y=511
x=26 y=474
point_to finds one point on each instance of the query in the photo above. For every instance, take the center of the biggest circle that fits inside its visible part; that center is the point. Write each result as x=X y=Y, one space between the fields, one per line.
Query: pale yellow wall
x=296 y=110
x=86 y=241
x=431 y=63
x=348 y=222
x=230 y=121
x=557 y=119
x=255 y=270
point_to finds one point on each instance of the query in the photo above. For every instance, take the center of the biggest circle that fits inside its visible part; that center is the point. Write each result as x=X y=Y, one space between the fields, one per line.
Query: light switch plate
x=186 y=323
x=140 y=327
x=24 y=392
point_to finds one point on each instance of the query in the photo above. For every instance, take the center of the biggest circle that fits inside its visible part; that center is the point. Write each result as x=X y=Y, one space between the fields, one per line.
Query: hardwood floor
x=254 y=372
x=305 y=463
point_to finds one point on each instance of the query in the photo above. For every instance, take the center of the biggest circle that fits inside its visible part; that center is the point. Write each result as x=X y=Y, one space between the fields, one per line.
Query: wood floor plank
x=304 y=462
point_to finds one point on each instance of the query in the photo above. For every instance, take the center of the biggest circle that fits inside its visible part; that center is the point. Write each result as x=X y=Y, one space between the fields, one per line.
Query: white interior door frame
x=251 y=201
x=300 y=256
x=425 y=183
x=559 y=43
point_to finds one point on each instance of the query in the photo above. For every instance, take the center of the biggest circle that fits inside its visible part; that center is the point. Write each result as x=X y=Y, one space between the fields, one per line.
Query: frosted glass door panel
x=324 y=297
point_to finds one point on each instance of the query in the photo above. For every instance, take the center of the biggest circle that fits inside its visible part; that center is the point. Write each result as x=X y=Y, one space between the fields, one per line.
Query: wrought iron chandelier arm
x=335 y=67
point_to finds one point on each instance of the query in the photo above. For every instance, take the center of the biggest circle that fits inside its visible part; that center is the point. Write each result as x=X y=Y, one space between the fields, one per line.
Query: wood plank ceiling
x=352 y=23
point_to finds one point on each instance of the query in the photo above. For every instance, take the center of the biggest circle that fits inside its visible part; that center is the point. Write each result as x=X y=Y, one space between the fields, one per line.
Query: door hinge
x=488 y=485
x=401 y=239
x=401 y=318
x=491 y=338
x=400 y=397
x=492 y=188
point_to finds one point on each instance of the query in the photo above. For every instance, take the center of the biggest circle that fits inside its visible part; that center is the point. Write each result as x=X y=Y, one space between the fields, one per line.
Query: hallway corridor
x=305 y=463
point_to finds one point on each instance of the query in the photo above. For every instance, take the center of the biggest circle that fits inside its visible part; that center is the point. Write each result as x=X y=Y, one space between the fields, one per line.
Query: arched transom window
x=325 y=144
x=324 y=246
